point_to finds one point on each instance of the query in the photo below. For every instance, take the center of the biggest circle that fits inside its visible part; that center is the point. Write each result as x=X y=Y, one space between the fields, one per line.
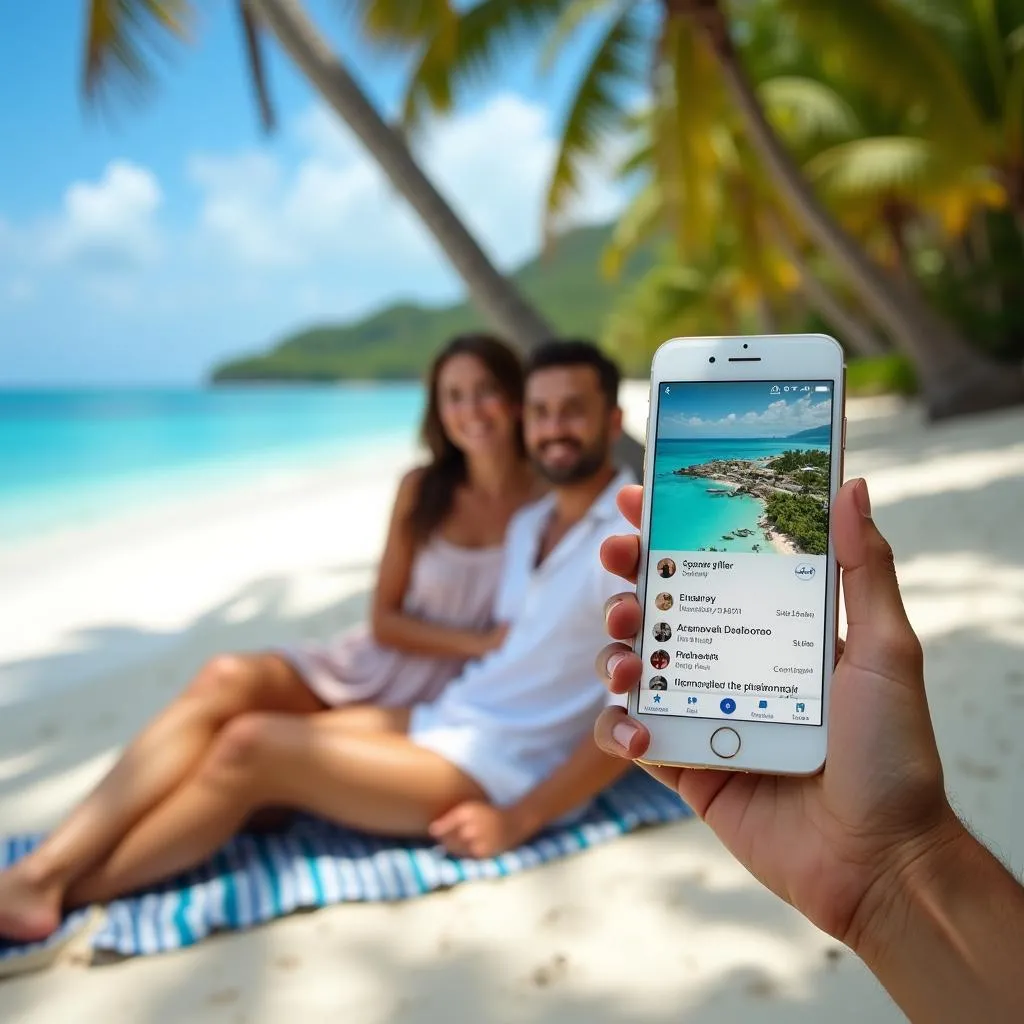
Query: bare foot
x=29 y=911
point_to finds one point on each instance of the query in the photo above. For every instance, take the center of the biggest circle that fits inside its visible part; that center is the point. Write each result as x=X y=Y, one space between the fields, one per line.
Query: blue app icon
x=728 y=705
x=691 y=700
x=762 y=704
x=657 y=698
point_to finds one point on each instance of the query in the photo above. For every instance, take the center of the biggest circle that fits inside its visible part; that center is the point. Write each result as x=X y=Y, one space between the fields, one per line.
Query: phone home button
x=725 y=742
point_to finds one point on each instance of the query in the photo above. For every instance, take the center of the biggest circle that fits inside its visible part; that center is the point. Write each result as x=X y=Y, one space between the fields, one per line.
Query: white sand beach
x=101 y=628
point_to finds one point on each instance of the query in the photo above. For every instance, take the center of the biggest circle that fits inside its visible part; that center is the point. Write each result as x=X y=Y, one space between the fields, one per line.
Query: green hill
x=398 y=342
x=822 y=435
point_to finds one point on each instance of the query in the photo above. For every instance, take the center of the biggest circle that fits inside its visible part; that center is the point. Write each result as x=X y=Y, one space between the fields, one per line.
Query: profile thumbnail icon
x=663 y=602
x=660 y=660
x=666 y=568
x=662 y=632
x=658 y=683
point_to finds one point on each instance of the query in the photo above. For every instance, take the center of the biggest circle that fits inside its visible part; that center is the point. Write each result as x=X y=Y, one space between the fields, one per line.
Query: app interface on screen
x=734 y=615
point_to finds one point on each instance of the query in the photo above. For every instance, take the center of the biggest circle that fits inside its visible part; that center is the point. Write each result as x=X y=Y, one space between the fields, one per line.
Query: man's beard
x=588 y=463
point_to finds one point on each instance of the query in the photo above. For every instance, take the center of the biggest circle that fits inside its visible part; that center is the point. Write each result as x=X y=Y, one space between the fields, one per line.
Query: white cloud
x=241 y=206
x=492 y=165
x=109 y=225
x=780 y=419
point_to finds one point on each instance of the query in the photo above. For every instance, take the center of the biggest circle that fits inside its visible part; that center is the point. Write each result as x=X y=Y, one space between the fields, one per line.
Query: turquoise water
x=71 y=458
x=685 y=517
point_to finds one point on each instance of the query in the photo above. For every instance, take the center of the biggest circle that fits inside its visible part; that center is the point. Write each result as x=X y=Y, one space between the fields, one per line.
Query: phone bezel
x=770 y=747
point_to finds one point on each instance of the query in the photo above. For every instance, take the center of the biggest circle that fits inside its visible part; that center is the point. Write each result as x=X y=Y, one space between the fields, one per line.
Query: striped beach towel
x=256 y=878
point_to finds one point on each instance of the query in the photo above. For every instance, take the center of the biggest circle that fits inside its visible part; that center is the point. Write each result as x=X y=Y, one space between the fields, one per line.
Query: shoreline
x=751 y=478
x=269 y=480
x=781 y=542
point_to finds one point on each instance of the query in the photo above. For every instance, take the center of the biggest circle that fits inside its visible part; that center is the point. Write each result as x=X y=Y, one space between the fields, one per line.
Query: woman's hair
x=447 y=467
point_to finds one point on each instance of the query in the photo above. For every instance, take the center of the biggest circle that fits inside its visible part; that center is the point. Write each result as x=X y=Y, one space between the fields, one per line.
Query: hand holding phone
x=822 y=842
x=737 y=579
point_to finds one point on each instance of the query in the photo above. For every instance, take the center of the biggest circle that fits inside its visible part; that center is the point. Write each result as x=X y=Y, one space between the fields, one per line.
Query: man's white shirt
x=511 y=718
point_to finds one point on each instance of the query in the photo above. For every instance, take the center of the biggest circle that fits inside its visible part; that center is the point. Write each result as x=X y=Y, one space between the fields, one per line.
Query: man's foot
x=29 y=909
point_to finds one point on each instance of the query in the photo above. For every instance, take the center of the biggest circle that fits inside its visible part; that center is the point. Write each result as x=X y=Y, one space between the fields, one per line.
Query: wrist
x=476 y=645
x=524 y=820
x=946 y=944
x=917 y=870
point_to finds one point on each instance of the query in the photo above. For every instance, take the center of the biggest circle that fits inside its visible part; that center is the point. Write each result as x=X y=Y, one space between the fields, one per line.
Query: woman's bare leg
x=157 y=761
x=379 y=782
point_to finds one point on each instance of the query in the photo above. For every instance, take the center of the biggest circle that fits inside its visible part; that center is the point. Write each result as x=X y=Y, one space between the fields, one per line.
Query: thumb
x=871 y=592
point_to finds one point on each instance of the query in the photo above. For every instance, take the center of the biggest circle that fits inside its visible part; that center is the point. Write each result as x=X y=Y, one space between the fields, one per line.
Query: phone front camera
x=712 y=359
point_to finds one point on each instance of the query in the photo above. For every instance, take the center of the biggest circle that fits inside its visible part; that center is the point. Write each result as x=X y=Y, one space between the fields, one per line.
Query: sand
x=100 y=629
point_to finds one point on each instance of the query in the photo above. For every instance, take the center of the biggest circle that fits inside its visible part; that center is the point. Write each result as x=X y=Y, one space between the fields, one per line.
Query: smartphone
x=738 y=583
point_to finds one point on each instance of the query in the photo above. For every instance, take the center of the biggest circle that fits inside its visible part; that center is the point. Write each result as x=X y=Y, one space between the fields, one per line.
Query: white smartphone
x=738 y=583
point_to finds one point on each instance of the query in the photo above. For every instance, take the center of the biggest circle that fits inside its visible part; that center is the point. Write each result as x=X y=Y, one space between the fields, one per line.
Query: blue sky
x=145 y=241
x=747 y=409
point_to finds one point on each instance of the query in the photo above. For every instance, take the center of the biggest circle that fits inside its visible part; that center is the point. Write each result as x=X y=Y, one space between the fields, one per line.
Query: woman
x=431 y=613
x=440 y=568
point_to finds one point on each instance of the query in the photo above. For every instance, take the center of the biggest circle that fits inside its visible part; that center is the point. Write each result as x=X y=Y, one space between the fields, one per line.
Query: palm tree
x=737 y=259
x=954 y=378
x=114 y=46
x=695 y=61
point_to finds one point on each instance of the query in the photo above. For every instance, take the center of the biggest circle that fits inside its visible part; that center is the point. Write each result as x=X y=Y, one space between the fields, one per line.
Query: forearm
x=587 y=771
x=414 y=636
x=950 y=944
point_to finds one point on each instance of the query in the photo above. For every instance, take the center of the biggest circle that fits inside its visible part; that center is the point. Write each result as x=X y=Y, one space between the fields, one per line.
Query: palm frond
x=254 y=62
x=640 y=221
x=483 y=35
x=874 y=165
x=689 y=110
x=670 y=299
x=884 y=45
x=406 y=22
x=121 y=35
x=806 y=109
x=578 y=12
x=639 y=160
x=596 y=108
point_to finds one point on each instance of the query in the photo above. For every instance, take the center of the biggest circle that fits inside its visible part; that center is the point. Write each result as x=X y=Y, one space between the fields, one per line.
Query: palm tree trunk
x=954 y=378
x=853 y=332
x=495 y=295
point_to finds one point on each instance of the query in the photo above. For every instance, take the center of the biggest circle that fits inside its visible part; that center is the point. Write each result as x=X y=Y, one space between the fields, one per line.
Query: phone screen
x=737 y=573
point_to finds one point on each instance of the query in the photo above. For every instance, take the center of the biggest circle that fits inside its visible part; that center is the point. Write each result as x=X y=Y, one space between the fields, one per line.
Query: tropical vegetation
x=860 y=163
x=802 y=518
x=857 y=167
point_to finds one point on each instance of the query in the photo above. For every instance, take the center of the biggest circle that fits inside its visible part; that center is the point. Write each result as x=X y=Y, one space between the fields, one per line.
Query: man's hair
x=577 y=352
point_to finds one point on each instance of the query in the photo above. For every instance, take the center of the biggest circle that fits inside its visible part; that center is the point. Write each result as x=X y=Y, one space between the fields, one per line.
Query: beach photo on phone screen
x=743 y=467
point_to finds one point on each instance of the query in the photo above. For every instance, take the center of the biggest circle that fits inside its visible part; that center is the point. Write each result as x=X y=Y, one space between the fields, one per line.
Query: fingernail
x=623 y=732
x=862 y=498
x=613 y=661
x=609 y=605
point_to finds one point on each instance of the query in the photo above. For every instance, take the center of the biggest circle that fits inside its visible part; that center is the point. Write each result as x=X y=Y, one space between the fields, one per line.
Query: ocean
x=71 y=458
x=686 y=517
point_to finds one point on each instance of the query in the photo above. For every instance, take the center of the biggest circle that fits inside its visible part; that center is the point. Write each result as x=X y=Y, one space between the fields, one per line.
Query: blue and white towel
x=256 y=878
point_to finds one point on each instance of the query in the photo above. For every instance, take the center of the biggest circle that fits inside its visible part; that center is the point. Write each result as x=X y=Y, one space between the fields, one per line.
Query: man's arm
x=587 y=771
x=946 y=936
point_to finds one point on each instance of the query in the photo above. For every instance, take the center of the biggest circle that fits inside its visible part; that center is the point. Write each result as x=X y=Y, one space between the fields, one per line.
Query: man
x=869 y=850
x=506 y=749
x=534 y=697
